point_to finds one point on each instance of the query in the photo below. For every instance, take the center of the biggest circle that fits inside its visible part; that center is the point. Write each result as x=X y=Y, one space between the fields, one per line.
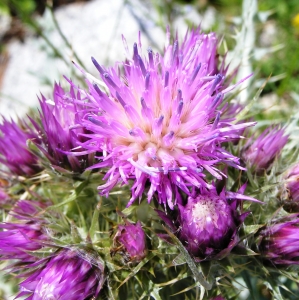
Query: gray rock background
x=93 y=29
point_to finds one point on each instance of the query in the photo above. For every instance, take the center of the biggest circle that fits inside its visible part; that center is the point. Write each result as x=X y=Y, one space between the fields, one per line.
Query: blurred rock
x=92 y=28
x=268 y=35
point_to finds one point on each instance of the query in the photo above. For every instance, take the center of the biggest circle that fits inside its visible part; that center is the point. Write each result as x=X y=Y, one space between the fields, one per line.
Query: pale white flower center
x=207 y=212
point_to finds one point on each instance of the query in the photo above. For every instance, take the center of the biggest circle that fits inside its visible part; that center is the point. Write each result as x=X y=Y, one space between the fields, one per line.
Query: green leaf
x=252 y=229
x=137 y=268
x=189 y=260
x=94 y=227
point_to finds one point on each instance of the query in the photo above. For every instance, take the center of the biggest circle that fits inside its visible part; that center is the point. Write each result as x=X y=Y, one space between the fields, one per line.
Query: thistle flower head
x=14 y=153
x=159 y=122
x=24 y=235
x=60 y=129
x=131 y=239
x=69 y=274
x=208 y=224
x=260 y=152
x=279 y=241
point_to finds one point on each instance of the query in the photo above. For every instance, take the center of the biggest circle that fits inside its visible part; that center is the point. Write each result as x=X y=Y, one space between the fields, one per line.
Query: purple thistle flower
x=24 y=235
x=160 y=122
x=69 y=274
x=218 y=298
x=208 y=224
x=260 y=152
x=14 y=153
x=61 y=130
x=130 y=240
x=279 y=241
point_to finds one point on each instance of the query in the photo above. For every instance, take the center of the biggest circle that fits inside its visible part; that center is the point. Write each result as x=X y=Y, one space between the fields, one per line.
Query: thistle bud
x=279 y=242
x=61 y=130
x=261 y=152
x=26 y=234
x=208 y=225
x=14 y=153
x=69 y=274
x=130 y=241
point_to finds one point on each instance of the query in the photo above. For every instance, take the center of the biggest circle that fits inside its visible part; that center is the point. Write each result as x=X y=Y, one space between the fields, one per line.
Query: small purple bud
x=14 y=153
x=25 y=234
x=260 y=152
x=131 y=238
x=279 y=241
x=62 y=130
x=72 y=272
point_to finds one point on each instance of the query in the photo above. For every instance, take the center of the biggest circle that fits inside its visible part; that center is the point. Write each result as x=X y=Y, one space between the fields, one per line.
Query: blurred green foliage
x=21 y=8
x=285 y=61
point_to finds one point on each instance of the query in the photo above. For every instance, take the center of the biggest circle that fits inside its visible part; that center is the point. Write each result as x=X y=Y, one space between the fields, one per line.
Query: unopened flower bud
x=132 y=242
x=68 y=274
x=207 y=225
x=279 y=241
x=259 y=153
x=24 y=235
